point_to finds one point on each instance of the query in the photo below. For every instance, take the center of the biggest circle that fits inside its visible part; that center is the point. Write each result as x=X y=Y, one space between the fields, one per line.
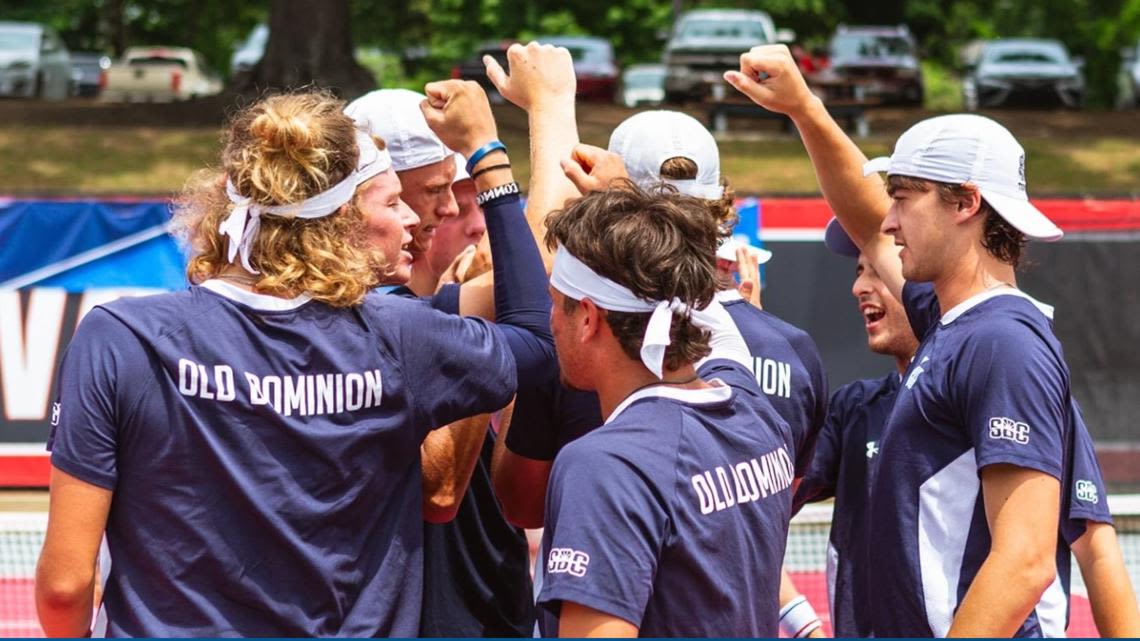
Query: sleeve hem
x=85 y=474
x=599 y=603
x=1020 y=461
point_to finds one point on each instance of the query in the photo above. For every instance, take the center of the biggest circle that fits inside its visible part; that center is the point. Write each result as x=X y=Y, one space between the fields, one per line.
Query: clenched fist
x=770 y=77
x=458 y=112
x=539 y=73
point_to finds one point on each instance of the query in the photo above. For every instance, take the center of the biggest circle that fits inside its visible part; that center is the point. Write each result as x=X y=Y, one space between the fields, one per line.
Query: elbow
x=56 y=593
x=1037 y=569
x=441 y=507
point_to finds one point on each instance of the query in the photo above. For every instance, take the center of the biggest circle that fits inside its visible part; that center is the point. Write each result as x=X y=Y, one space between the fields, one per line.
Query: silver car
x=1032 y=72
x=34 y=62
x=1128 y=96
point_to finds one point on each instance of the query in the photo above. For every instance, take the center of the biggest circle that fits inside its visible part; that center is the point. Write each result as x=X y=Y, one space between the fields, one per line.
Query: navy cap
x=838 y=241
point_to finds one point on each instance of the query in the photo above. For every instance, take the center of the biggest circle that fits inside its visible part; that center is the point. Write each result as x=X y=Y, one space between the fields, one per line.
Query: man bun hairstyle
x=282 y=150
x=723 y=209
x=659 y=244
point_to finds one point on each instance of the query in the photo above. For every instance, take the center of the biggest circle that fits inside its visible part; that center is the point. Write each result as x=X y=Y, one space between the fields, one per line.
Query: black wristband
x=484 y=170
x=506 y=189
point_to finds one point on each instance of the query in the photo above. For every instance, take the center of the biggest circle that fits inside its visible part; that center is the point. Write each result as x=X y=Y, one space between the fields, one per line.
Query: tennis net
x=22 y=536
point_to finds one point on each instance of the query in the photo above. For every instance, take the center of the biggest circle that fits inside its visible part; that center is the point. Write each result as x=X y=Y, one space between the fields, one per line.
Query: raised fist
x=458 y=112
x=539 y=73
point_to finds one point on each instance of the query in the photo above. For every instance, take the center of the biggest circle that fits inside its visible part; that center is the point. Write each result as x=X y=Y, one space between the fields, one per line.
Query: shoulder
x=861 y=392
x=152 y=316
x=1008 y=326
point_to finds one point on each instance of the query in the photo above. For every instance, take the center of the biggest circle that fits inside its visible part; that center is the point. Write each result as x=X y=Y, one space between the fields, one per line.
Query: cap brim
x=460 y=169
x=879 y=165
x=837 y=240
x=727 y=251
x=1023 y=216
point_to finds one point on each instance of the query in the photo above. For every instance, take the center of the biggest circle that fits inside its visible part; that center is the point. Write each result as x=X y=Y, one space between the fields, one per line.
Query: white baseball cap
x=965 y=148
x=395 y=116
x=460 y=169
x=728 y=247
x=648 y=139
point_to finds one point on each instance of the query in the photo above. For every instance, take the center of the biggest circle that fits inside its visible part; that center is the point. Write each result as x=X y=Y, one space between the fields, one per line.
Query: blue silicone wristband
x=481 y=152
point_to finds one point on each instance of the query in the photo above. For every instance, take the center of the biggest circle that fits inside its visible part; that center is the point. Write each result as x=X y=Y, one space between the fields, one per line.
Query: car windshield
x=724 y=29
x=21 y=40
x=156 y=61
x=1046 y=55
x=868 y=46
x=644 y=79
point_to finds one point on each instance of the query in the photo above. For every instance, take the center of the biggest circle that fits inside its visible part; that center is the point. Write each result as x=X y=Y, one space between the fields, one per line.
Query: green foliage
x=428 y=37
x=943 y=89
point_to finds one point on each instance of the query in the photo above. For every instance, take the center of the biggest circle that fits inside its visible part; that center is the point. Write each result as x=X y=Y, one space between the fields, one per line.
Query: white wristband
x=798 y=619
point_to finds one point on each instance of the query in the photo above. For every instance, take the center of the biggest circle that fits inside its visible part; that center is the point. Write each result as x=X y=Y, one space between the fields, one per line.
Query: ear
x=969 y=205
x=592 y=319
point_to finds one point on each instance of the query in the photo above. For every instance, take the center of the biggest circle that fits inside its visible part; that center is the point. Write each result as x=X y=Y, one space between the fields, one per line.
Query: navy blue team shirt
x=272 y=488
x=847 y=444
x=673 y=515
x=788 y=369
x=988 y=385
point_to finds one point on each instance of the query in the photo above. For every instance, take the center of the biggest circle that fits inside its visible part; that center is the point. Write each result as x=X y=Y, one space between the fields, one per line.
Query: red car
x=594 y=65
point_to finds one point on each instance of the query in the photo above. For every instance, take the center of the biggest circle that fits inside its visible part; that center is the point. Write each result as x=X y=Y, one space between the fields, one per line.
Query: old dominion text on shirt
x=264 y=455
x=674 y=514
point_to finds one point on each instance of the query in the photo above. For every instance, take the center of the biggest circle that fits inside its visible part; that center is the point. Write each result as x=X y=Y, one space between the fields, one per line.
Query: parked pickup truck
x=159 y=74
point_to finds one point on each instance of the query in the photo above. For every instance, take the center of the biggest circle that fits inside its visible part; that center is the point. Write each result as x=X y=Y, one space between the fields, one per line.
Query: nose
x=476 y=224
x=861 y=286
x=890 y=224
x=408 y=217
x=448 y=208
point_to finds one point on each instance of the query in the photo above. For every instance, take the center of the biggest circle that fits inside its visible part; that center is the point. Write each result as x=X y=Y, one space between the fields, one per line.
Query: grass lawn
x=61 y=160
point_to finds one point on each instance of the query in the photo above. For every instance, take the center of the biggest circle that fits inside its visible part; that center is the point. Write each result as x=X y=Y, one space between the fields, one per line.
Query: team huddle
x=385 y=367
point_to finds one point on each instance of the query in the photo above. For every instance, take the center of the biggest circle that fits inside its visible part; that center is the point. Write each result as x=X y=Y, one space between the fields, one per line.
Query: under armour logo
x=872 y=448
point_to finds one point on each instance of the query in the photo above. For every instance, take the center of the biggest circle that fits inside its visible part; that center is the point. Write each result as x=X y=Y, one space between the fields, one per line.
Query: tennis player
x=250 y=444
x=671 y=519
x=974 y=462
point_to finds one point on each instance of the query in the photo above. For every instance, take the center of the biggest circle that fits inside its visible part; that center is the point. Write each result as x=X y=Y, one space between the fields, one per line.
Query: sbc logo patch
x=567 y=561
x=55 y=407
x=1009 y=429
x=1086 y=491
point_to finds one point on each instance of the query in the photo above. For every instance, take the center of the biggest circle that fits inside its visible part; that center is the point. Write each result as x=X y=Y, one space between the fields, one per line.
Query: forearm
x=519 y=482
x=1001 y=596
x=553 y=135
x=448 y=455
x=1110 y=590
x=860 y=202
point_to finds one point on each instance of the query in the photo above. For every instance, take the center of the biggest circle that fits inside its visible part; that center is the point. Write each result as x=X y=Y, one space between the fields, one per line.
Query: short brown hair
x=1000 y=239
x=282 y=150
x=660 y=245
x=723 y=209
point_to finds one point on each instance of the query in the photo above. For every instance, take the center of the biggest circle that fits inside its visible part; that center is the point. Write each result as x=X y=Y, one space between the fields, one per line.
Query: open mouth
x=872 y=313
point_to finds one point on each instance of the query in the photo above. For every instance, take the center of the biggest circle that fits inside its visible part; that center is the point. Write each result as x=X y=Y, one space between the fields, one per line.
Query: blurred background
x=107 y=106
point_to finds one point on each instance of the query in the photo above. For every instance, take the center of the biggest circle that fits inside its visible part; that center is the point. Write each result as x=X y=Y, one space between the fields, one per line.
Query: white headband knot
x=243 y=223
x=575 y=279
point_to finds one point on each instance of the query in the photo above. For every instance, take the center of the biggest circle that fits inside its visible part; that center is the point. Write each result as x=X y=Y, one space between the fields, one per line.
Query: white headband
x=243 y=223
x=575 y=279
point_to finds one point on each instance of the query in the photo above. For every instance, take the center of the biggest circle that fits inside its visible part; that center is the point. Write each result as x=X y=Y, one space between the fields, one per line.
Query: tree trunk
x=310 y=43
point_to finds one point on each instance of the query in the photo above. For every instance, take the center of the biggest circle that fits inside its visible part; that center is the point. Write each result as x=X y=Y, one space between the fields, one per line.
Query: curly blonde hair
x=283 y=150
x=724 y=209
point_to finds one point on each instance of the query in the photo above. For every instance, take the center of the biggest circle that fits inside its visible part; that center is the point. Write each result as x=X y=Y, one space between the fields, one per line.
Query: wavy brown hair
x=1000 y=239
x=283 y=150
x=659 y=244
x=724 y=209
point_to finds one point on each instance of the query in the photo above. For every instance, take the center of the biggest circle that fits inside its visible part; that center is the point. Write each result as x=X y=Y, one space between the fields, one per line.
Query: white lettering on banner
x=28 y=351
x=774 y=377
x=753 y=480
